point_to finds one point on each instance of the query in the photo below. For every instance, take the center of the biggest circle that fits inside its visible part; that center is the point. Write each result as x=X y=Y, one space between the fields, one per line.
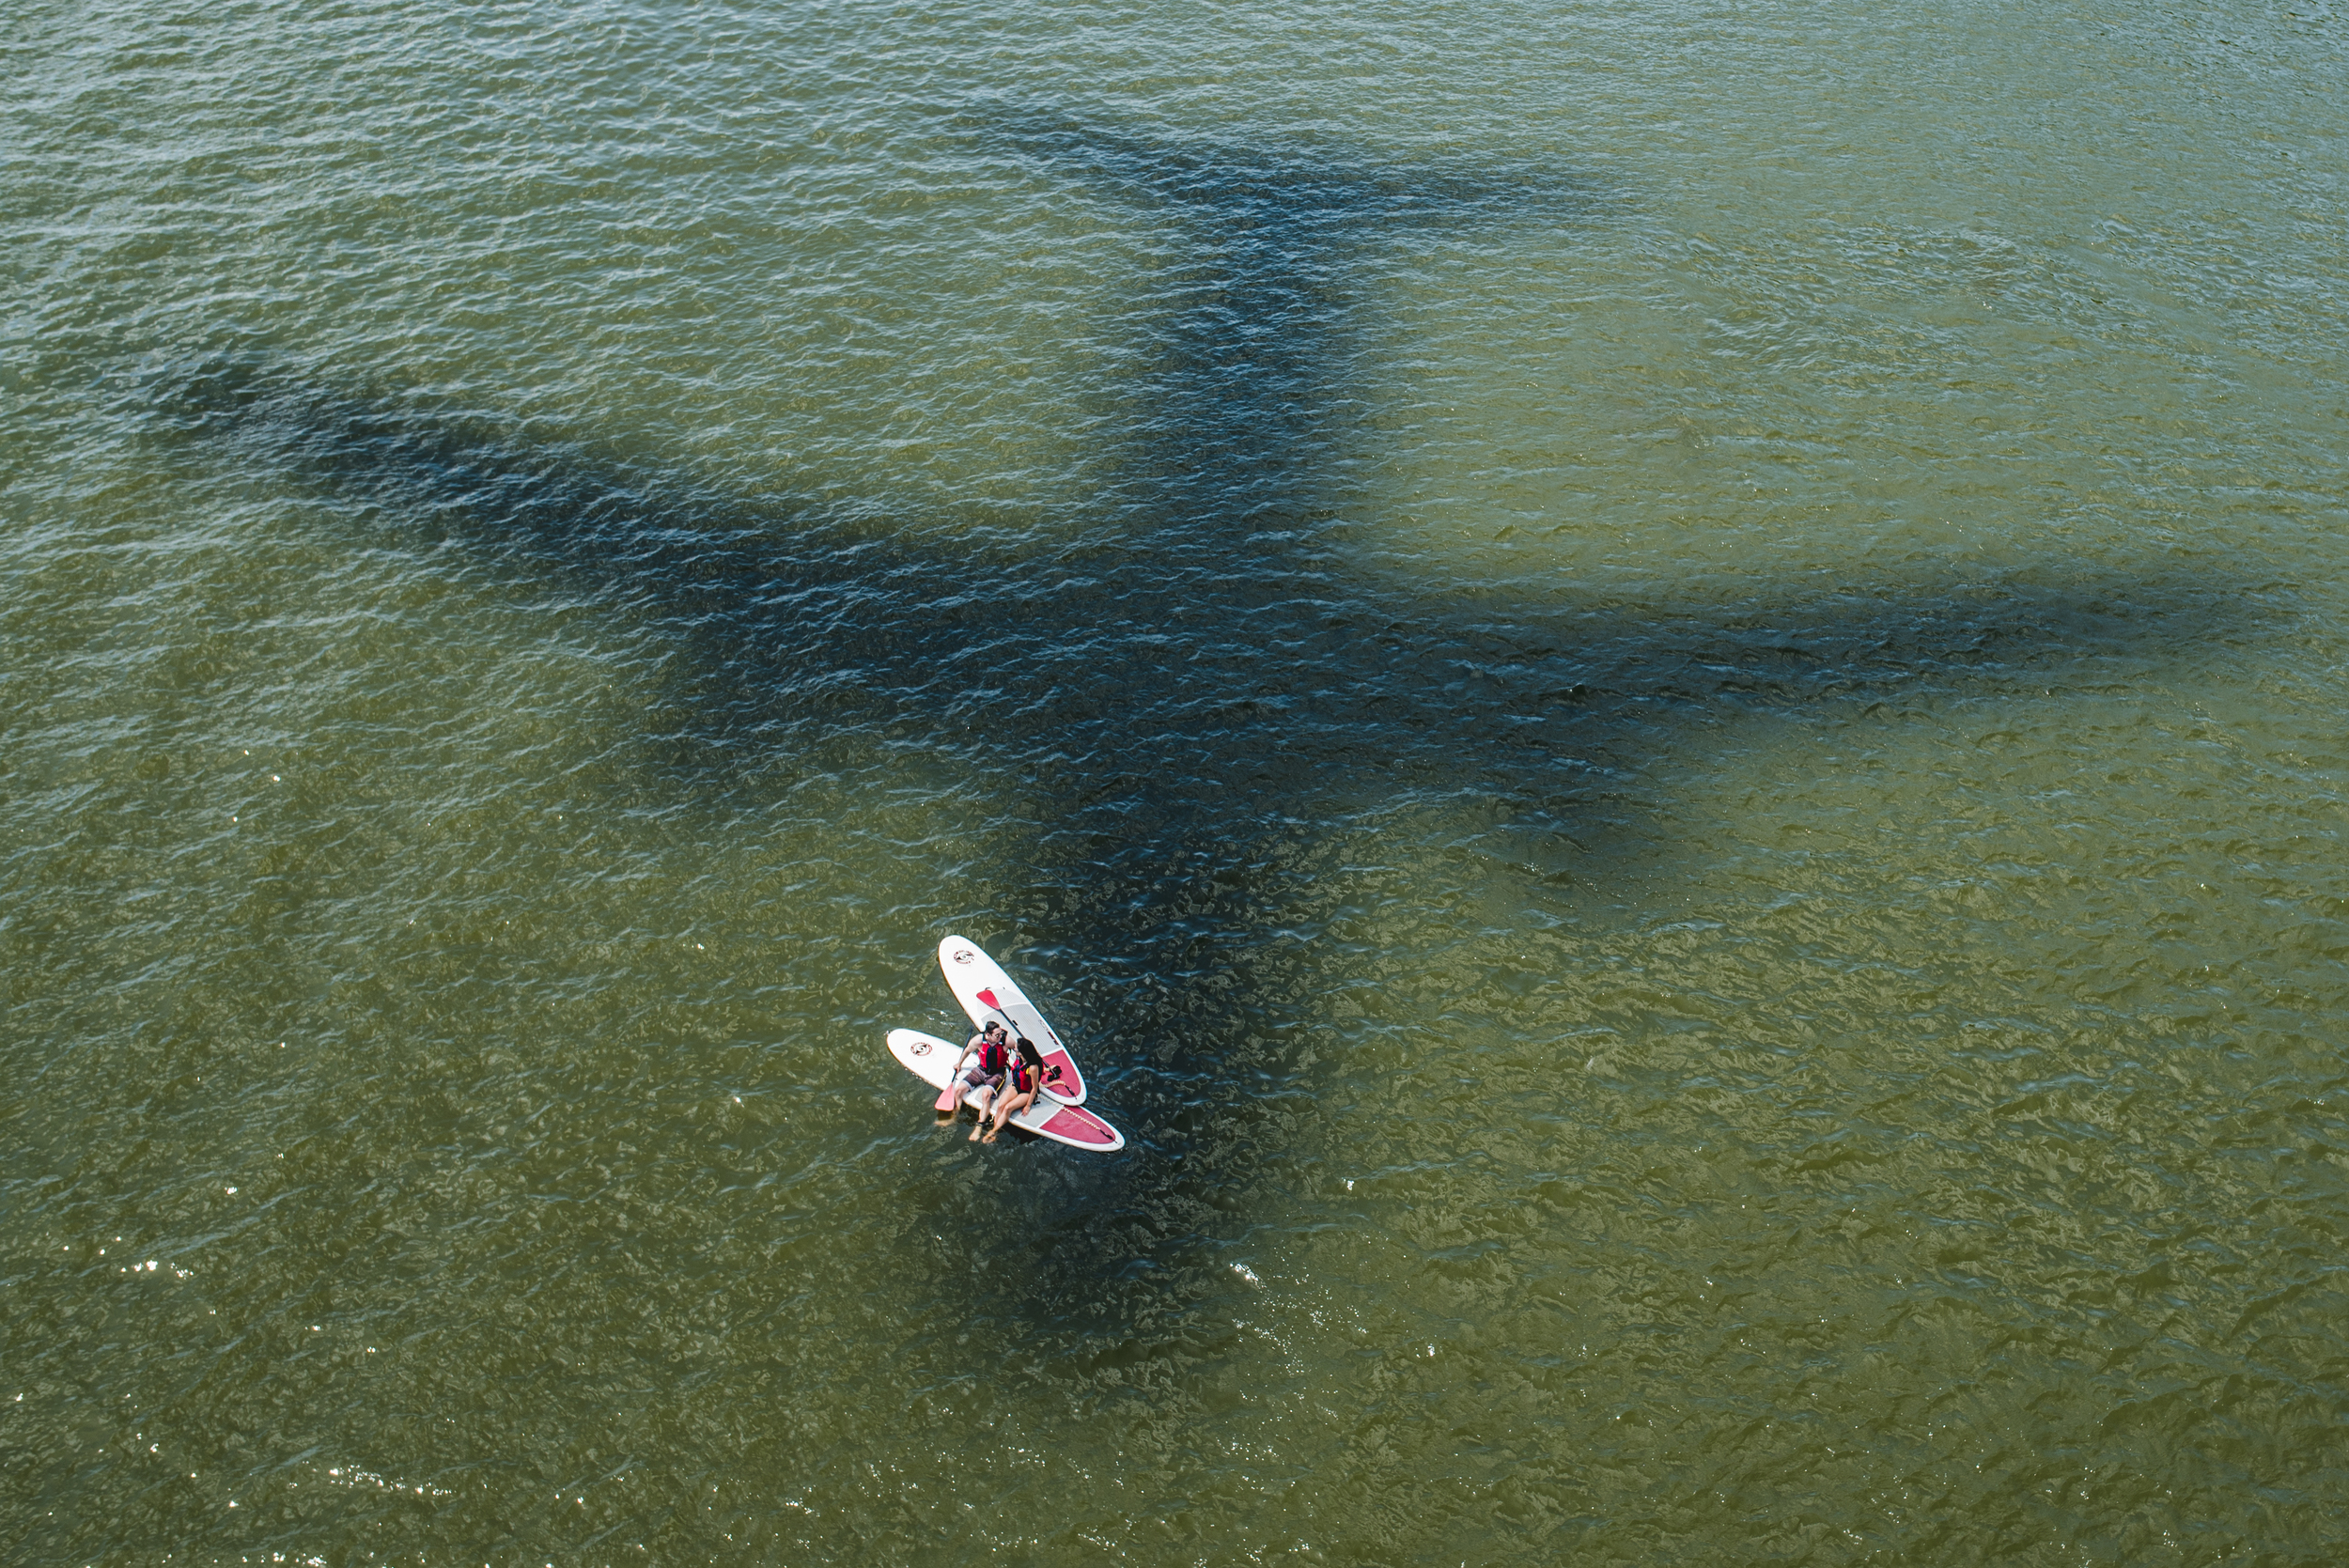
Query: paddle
x=987 y=996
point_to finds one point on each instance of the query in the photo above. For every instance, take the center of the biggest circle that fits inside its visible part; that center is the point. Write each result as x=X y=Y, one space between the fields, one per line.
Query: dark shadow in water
x=1247 y=361
x=1191 y=706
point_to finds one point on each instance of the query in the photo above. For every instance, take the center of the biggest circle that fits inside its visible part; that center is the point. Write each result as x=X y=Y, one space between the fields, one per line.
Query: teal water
x=1658 y=690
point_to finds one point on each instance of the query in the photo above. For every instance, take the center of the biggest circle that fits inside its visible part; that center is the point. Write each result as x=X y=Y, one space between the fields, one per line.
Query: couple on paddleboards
x=999 y=1078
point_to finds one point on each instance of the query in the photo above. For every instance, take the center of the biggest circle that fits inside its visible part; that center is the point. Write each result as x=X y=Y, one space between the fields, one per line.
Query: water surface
x=1658 y=689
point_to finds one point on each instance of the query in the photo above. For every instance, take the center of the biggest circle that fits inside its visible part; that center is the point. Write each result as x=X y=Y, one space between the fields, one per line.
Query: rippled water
x=1658 y=688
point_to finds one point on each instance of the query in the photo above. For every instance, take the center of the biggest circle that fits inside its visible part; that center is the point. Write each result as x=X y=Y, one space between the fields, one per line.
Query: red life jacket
x=991 y=1055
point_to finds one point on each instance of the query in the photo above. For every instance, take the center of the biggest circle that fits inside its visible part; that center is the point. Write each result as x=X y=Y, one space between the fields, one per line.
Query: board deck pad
x=932 y=1060
x=991 y=996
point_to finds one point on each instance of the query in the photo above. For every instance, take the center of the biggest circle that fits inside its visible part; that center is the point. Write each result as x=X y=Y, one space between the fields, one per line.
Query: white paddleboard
x=931 y=1059
x=987 y=994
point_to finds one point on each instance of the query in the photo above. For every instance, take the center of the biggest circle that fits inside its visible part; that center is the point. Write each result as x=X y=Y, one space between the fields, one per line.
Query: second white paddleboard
x=989 y=995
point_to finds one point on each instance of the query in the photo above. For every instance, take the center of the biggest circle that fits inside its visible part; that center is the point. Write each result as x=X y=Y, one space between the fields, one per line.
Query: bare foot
x=990 y=1136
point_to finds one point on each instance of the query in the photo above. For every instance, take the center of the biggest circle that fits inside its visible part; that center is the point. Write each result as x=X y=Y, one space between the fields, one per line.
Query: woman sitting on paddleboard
x=1027 y=1075
x=984 y=1076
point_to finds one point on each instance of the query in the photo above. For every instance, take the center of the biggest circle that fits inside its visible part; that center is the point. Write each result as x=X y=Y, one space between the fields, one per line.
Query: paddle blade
x=946 y=1101
x=988 y=997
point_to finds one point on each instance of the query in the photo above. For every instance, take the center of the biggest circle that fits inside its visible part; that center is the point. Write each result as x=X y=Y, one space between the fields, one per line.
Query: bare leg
x=1013 y=1104
x=985 y=1096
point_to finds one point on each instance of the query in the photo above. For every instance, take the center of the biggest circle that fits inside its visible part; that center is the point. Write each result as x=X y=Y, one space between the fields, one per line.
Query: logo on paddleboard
x=921 y=1048
x=963 y=956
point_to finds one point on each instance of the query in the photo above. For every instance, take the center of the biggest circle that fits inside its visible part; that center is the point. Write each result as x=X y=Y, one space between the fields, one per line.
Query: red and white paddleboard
x=931 y=1059
x=988 y=995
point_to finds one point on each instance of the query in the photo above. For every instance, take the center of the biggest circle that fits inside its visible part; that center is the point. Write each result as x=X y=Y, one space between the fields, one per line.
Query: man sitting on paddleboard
x=984 y=1076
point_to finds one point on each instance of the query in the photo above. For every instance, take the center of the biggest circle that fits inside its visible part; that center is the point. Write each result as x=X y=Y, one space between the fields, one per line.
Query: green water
x=1658 y=691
